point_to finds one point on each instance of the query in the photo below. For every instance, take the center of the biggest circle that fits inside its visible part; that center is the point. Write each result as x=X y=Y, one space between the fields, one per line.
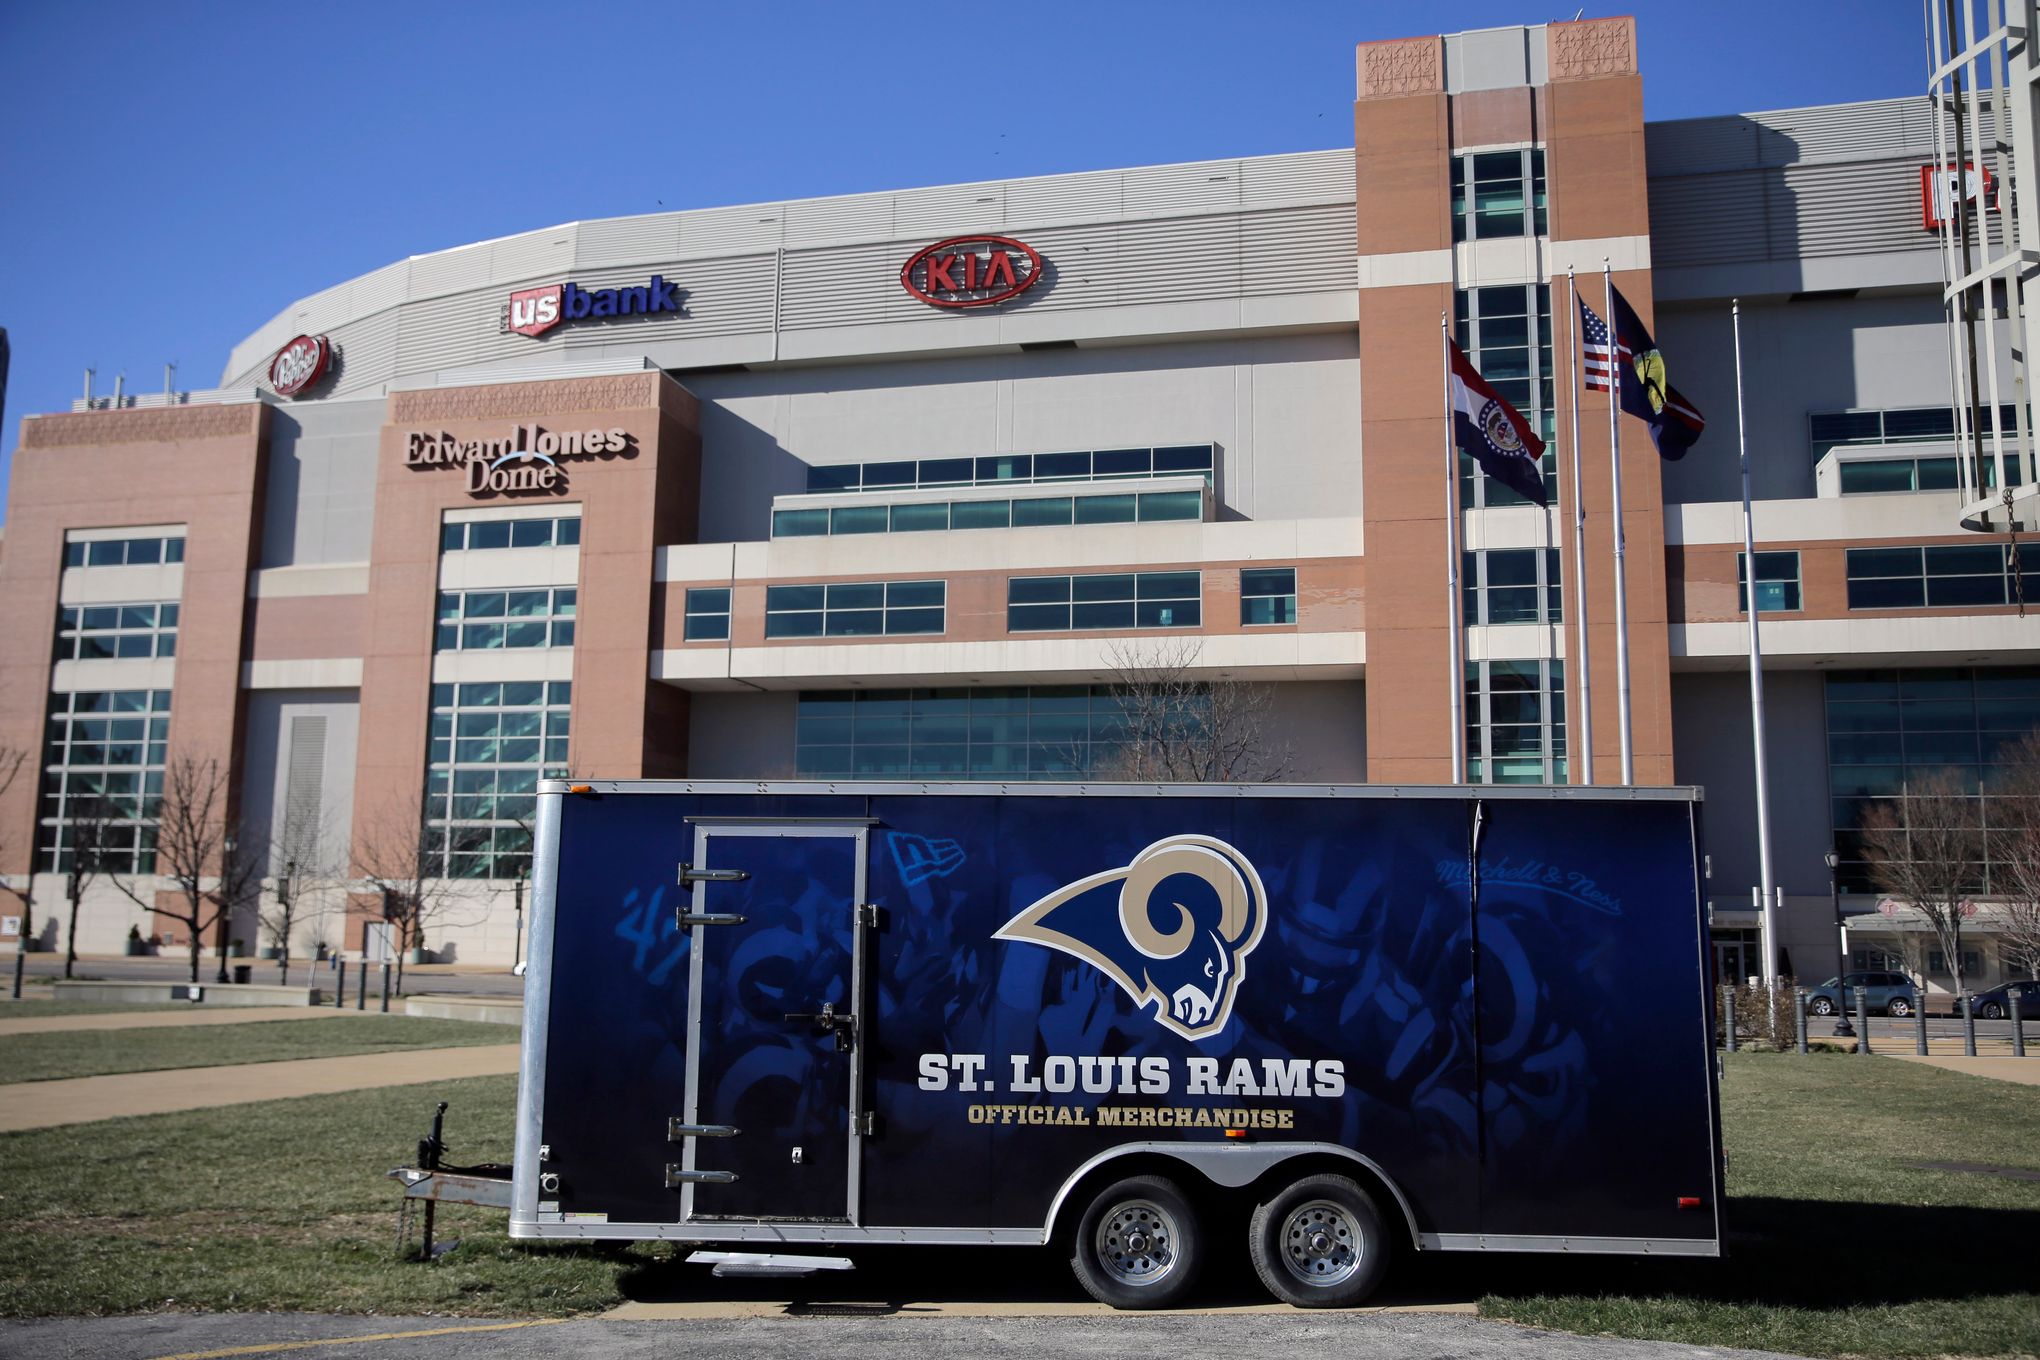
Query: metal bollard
x=1920 y=1030
x=340 y=992
x=1968 y=1027
x=386 y=988
x=2018 y=1030
x=1799 y=1015
x=361 y=987
x=1863 y=1019
x=1728 y=1016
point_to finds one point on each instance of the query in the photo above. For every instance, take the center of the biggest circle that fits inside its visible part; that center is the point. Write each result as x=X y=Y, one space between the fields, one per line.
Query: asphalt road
x=1377 y=1336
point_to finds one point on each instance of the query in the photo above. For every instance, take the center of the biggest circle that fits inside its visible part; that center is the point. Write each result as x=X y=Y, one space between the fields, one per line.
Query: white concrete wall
x=319 y=502
x=1285 y=412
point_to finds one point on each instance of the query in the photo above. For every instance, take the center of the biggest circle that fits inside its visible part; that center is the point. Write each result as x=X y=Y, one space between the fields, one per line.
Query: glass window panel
x=920 y=518
x=1268 y=609
x=980 y=514
x=489 y=533
x=1183 y=458
x=946 y=472
x=1104 y=509
x=105 y=553
x=144 y=551
x=1268 y=581
x=1169 y=614
x=1171 y=505
x=1006 y=468
x=1924 y=422
x=707 y=628
x=1887 y=594
x=1061 y=467
x=839 y=477
x=452 y=537
x=567 y=531
x=484 y=604
x=856 y=595
x=481 y=636
x=1164 y=585
x=1037 y=589
x=793 y=597
x=1965 y=590
x=1122 y=462
x=904 y=593
x=102 y=616
x=173 y=550
x=531 y=533
x=74 y=554
x=858 y=519
x=1981 y=559
x=529 y=604
x=1117 y=586
x=799 y=523
x=855 y=622
x=1868 y=476
x=916 y=620
x=708 y=600
x=136 y=644
x=1024 y=618
x=1119 y=614
x=1051 y=510
x=890 y=474
x=1938 y=474
x=794 y=624
x=480 y=696
x=526 y=633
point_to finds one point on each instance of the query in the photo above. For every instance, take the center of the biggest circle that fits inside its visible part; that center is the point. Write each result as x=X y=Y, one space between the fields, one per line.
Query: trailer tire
x=1319 y=1243
x=1138 y=1245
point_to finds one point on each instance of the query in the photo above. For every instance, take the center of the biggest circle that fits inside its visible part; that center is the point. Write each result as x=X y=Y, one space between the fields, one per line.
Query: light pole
x=517 y=904
x=1843 y=1029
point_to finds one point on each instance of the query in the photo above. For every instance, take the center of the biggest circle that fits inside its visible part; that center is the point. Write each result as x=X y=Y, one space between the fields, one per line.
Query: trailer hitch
x=841 y=1024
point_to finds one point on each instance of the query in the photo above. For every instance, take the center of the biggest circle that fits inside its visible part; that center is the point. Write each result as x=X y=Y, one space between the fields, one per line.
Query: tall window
x=1118 y=600
x=1512 y=585
x=1000 y=733
x=492 y=620
x=1498 y=194
x=1890 y=728
x=1506 y=331
x=103 y=760
x=490 y=745
x=855 y=609
x=1515 y=722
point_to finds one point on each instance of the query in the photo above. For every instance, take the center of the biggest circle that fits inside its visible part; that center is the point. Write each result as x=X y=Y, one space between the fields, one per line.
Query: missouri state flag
x=1493 y=431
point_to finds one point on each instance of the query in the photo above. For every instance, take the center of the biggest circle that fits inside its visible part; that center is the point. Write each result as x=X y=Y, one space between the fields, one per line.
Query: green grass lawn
x=1838 y=1243
x=92 y=1053
x=1839 y=1246
x=29 y=1008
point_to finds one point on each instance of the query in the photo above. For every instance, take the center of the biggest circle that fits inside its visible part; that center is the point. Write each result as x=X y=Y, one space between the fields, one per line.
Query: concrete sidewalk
x=78 y=1100
x=169 y=1019
x=2024 y=1071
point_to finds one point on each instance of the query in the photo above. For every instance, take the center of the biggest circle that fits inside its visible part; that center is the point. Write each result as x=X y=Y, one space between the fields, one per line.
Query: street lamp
x=226 y=908
x=1843 y=1029
x=283 y=915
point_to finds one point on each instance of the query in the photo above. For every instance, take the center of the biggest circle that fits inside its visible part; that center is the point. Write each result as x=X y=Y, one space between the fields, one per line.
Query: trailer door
x=775 y=1042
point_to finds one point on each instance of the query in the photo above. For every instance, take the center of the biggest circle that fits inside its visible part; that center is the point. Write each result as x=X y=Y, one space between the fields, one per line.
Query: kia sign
x=972 y=271
x=1937 y=192
x=299 y=364
x=534 y=311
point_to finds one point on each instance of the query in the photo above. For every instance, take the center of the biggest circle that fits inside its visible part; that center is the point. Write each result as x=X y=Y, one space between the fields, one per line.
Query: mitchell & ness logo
x=534 y=311
x=1190 y=969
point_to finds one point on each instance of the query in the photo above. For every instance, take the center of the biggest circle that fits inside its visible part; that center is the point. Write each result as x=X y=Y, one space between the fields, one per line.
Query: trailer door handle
x=841 y=1024
x=689 y=918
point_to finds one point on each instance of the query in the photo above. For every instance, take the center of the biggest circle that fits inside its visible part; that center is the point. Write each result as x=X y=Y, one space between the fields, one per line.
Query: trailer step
x=752 y=1264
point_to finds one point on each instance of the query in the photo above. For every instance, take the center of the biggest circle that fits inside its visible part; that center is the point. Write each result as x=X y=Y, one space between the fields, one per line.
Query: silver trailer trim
x=1579 y=1246
x=538 y=971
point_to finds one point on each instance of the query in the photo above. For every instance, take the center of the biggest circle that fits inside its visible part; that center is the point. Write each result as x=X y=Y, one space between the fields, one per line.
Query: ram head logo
x=1177 y=931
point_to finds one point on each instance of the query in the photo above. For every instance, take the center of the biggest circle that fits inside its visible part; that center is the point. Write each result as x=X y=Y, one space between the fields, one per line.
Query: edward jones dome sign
x=527 y=461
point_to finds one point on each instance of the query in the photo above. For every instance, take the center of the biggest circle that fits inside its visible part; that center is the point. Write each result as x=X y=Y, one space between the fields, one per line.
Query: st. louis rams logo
x=1211 y=909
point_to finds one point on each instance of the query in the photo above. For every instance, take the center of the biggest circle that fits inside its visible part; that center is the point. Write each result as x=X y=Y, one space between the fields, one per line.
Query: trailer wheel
x=1138 y=1245
x=1319 y=1243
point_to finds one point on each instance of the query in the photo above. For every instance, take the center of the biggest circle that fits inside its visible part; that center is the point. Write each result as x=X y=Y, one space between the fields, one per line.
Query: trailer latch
x=841 y=1024
x=678 y=1176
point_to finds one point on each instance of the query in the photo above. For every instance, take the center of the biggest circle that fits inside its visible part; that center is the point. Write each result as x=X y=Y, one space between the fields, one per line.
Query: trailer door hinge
x=689 y=875
x=870 y=1123
x=867 y=915
x=677 y=1129
x=678 y=1176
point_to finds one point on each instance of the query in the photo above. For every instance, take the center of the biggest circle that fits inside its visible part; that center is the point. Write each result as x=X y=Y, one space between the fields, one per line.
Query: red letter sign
x=971 y=271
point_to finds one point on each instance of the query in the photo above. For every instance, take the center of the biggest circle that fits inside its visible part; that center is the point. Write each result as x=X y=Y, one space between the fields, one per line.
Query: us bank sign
x=529 y=460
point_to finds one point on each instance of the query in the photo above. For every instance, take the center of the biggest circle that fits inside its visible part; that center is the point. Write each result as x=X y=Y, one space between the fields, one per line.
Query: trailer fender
x=1230 y=1165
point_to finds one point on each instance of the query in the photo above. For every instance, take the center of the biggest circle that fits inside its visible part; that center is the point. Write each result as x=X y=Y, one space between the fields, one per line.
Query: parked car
x=1996 y=1004
x=1889 y=994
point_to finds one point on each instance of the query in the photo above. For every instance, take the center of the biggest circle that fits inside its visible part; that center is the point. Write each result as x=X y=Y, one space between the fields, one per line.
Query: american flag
x=1600 y=360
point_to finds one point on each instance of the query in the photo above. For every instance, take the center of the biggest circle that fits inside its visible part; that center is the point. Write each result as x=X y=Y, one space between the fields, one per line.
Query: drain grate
x=2010 y=1173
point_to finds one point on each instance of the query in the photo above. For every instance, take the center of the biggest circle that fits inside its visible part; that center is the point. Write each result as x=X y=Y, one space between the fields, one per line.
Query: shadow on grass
x=1794 y=1253
x=1804 y=1254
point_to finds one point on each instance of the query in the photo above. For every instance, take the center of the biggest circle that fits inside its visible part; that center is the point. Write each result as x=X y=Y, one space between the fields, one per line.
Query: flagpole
x=1583 y=679
x=1455 y=680
x=1749 y=574
x=1617 y=531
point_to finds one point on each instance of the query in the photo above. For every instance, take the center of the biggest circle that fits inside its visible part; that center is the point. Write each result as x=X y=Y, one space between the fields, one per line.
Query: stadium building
x=894 y=485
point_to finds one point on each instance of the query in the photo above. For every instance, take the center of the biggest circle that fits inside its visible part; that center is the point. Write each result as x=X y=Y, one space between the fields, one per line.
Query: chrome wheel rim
x=1136 y=1243
x=1320 y=1244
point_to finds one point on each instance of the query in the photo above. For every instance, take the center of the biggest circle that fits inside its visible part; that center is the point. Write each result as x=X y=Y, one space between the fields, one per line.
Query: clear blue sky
x=171 y=176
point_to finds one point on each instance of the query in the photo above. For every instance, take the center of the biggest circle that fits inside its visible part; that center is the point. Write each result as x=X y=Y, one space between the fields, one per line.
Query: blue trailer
x=1137 y=1021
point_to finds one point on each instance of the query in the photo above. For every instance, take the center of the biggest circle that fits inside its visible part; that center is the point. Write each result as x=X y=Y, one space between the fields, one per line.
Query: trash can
x=244 y=972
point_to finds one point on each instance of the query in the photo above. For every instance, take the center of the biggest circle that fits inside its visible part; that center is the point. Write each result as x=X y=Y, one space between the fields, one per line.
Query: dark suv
x=1889 y=994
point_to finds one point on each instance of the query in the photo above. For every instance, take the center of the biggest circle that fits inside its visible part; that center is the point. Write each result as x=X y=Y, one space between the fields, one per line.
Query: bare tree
x=1926 y=851
x=398 y=859
x=12 y=759
x=88 y=833
x=201 y=863
x=1182 y=727
x=2015 y=852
